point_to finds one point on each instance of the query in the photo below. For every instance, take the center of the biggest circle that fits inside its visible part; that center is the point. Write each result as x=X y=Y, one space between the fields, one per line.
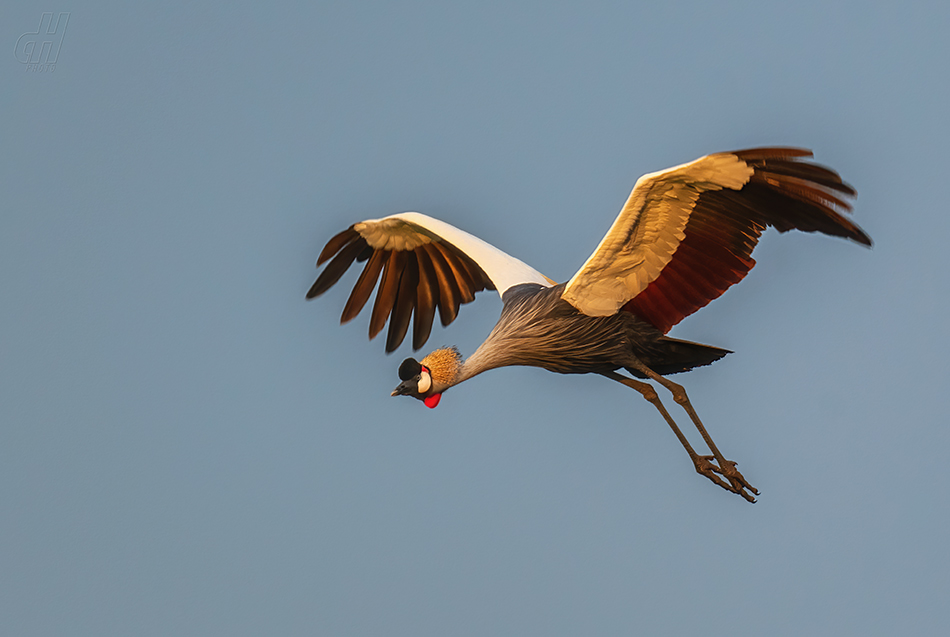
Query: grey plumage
x=538 y=328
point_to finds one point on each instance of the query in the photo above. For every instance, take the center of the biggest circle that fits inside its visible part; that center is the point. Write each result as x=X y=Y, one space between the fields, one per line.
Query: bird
x=683 y=236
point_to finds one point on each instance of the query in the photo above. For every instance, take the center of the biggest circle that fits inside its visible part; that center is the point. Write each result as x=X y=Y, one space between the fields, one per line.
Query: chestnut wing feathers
x=714 y=209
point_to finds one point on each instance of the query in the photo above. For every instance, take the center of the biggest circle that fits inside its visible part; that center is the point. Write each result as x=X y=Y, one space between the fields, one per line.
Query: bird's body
x=538 y=328
x=684 y=236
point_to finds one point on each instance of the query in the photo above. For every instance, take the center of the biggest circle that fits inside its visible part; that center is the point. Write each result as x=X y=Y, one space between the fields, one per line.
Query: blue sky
x=188 y=447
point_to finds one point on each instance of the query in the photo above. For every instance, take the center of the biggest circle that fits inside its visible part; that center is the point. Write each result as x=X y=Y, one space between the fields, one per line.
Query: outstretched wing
x=425 y=263
x=687 y=233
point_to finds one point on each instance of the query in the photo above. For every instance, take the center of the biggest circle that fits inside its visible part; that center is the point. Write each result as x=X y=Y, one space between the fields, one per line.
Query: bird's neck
x=478 y=362
x=491 y=354
x=505 y=345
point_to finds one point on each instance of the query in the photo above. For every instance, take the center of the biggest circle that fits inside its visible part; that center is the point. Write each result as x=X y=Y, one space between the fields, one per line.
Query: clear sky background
x=187 y=447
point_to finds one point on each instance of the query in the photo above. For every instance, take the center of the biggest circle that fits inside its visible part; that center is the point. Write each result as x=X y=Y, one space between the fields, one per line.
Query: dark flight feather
x=386 y=294
x=405 y=300
x=364 y=285
x=426 y=299
x=459 y=274
x=335 y=269
x=449 y=295
x=336 y=243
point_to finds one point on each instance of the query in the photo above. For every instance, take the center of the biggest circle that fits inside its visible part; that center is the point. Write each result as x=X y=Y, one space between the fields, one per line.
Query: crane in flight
x=683 y=236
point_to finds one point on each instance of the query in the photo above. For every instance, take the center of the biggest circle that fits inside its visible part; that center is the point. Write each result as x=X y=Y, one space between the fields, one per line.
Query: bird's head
x=427 y=380
x=416 y=382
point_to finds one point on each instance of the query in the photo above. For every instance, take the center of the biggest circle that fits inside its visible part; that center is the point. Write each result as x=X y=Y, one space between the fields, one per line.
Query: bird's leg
x=727 y=468
x=702 y=463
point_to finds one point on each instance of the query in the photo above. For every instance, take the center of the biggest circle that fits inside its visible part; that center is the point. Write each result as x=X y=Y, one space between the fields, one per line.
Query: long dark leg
x=727 y=468
x=702 y=463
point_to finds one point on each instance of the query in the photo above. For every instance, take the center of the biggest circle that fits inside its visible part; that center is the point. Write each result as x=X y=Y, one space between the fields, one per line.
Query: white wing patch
x=646 y=233
x=409 y=230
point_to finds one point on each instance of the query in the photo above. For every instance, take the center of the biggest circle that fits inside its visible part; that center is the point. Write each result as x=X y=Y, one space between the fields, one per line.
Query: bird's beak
x=402 y=390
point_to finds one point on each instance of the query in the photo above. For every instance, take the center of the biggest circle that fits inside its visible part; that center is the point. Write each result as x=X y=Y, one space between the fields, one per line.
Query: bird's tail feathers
x=675 y=356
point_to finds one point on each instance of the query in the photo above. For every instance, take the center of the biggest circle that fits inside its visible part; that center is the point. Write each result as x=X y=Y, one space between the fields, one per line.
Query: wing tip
x=336 y=243
x=861 y=237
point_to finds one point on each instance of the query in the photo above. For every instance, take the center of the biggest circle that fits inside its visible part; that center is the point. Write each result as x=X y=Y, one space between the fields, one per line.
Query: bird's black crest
x=410 y=368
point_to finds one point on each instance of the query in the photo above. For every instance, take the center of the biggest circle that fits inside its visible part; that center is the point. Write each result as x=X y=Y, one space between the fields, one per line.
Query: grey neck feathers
x=514 y=338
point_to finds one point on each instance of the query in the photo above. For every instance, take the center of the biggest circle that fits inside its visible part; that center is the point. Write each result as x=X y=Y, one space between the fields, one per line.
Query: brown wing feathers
x=349 y=248
x=413 y=284
x=459 y=274
x=794 y=194
x=449 y=295
x=386 y=294
x=404 y=303
x=426 y=295
x=364 y=285
x=725 y=225
x=338 y=241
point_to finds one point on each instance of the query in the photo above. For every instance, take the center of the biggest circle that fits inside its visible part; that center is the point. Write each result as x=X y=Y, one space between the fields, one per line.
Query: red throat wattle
x=432 y=401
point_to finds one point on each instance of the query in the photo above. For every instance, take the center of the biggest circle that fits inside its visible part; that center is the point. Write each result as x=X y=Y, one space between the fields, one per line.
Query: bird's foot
x=706 y=465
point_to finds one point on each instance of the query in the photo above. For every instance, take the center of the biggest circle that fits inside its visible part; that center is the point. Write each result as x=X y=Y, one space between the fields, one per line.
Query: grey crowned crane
x=682 y=238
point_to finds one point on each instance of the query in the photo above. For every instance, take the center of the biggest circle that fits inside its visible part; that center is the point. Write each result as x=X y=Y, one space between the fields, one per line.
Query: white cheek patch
x=425 y=382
